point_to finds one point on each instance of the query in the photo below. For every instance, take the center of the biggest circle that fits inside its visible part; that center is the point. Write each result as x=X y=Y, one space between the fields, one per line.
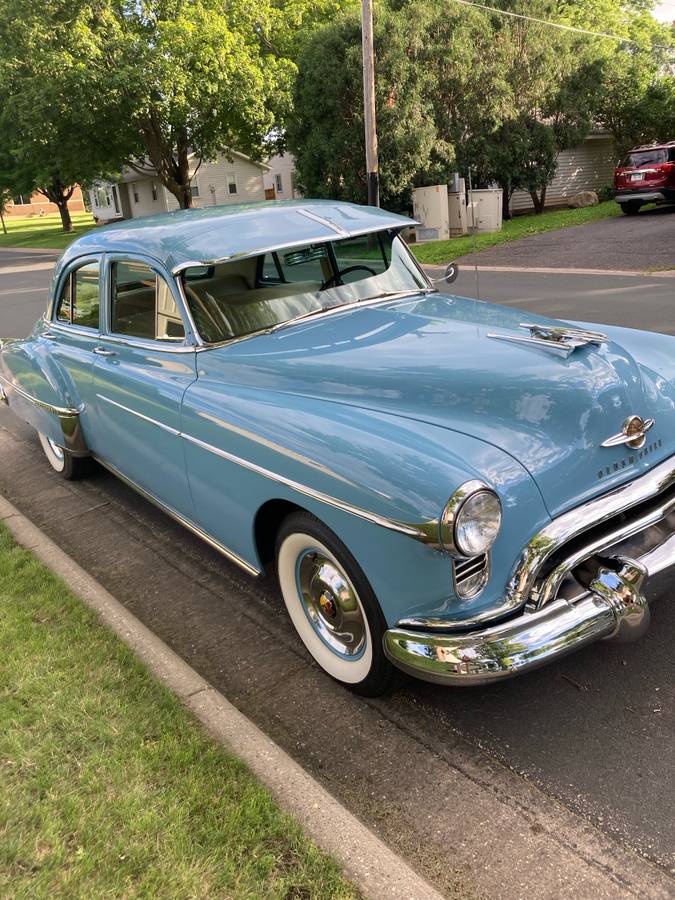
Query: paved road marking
x=467 y=265
x=35 y=267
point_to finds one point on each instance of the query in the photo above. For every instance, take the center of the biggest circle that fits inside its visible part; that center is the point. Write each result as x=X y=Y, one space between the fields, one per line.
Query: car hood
x=435 y=359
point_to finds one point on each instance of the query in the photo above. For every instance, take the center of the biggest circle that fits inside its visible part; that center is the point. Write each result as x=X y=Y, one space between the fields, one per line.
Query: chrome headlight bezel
x=452 y=516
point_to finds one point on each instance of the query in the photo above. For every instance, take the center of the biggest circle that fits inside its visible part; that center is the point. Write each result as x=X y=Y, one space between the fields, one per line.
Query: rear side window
x=143 y=305
x=79 y=303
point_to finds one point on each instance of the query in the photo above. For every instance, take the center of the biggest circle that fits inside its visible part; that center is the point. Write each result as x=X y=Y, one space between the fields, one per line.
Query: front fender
x=326 y=456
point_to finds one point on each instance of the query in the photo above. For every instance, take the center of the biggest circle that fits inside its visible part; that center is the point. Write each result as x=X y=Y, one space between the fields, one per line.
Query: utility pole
x=369 y=102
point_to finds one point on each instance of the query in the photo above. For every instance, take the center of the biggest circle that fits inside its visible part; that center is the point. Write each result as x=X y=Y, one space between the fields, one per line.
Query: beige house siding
x=212 y=181
x=281 y=178
x=146 y=206
x=587 y=167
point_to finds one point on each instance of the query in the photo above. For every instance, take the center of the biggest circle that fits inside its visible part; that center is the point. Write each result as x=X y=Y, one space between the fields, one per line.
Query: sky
x=665 y=11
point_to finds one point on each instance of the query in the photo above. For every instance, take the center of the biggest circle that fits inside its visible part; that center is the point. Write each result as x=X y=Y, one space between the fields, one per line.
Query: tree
x=326 y=131
x=54 y=135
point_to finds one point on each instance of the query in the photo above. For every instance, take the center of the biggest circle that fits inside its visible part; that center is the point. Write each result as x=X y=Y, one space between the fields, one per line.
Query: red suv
x=646 y=175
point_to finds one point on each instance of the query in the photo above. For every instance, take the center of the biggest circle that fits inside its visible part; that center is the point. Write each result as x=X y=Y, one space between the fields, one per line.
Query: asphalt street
x=589 y=739
x=644 y=242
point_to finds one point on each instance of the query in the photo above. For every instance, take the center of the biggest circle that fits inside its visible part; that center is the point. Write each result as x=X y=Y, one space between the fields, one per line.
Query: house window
x=20 y=200
x=102 y=196
x=194 y=190
x=278 y=184
x=153 y=190
x=134 y=188
x=231 y=183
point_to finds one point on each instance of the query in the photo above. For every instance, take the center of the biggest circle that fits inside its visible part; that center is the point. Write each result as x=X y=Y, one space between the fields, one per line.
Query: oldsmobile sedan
x=454 y=489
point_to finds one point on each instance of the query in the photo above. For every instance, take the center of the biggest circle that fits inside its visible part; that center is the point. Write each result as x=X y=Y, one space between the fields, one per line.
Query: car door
x=145 y=361
x=72 y=334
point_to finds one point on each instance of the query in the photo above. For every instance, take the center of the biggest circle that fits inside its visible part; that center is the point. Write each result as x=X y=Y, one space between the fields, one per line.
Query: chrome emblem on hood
x=633 y=433
x=563 y=339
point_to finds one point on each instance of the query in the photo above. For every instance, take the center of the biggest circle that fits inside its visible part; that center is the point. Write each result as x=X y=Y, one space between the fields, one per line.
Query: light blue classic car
x=456 y=489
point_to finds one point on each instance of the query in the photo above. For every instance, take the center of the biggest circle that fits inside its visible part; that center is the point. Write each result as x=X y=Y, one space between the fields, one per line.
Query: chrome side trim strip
x=421 y=533
x=325 y=222
x=60 y=411
x=139 y=415
x=195 y=529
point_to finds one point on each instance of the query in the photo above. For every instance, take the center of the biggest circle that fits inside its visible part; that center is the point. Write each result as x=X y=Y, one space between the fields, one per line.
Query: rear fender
x=37 y=390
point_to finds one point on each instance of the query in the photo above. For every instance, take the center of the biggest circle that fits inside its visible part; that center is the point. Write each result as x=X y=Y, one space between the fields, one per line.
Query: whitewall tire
x=331 y=605
x=61 y=461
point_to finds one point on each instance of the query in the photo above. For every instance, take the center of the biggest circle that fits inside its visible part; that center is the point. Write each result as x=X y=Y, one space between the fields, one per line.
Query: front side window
x=79 y=302
x=244 y=296
x=142 y=304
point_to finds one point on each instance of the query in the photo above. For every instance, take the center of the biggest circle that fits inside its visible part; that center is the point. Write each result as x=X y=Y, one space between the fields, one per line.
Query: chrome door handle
x=101 y=351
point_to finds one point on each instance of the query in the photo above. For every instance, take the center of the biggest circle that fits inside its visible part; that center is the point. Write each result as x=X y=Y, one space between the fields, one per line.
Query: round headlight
x=471 y=520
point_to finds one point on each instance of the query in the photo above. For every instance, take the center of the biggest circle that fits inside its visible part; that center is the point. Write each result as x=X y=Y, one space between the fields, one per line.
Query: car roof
x=219 y=233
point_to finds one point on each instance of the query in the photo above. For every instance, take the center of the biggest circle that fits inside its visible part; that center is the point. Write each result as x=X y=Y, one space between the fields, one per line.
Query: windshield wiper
x=325 y=309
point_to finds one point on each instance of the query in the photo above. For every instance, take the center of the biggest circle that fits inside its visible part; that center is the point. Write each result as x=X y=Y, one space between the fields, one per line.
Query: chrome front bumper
x=615 y=608
x=589 y=575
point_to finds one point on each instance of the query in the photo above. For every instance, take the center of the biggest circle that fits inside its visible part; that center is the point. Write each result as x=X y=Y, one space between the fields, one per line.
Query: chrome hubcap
x=331 y=604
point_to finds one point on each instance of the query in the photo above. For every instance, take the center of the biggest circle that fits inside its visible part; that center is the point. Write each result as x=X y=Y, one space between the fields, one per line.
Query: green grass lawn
x=521 y=226
x=45 y=231
x=108 y=787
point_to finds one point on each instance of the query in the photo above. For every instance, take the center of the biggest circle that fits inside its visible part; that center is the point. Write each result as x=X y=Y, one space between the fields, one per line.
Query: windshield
x=237 y=298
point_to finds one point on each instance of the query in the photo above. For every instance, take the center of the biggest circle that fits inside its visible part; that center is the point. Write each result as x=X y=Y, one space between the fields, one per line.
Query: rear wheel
x=631 y=207
x=332 y=606
x=68 y=466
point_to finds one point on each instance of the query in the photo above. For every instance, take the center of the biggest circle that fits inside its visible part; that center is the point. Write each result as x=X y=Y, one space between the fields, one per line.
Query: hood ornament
x=563 y=339
x=633 y=433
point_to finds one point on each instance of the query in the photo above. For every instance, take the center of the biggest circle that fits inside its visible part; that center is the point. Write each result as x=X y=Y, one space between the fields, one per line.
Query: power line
x=560 y=25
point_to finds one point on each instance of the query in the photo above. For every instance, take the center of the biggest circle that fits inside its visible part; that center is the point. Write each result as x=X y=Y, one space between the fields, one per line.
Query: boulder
x=583 y=198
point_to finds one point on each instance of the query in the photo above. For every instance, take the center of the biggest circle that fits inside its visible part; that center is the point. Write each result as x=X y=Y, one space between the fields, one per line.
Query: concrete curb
x=543 y=270
x=366 y=860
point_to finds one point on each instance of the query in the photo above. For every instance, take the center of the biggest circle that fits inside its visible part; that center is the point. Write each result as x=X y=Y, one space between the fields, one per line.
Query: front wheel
x=68 y=466
x=630 y=208
x=332 y=606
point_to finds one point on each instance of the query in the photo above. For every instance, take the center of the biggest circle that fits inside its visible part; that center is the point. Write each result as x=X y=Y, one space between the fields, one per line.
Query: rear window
x=651 y=157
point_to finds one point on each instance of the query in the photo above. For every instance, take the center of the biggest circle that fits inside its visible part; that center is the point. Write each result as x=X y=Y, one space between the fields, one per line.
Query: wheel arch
x=266 y=524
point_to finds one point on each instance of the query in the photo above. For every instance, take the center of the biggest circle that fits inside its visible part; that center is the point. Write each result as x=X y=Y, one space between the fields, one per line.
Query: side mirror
x=451 y=273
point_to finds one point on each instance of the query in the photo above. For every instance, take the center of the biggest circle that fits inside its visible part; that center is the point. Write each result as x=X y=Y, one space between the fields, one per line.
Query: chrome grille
x=470 y=575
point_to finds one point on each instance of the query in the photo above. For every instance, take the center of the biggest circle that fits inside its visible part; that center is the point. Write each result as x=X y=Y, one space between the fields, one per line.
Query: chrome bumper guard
x=601 y=589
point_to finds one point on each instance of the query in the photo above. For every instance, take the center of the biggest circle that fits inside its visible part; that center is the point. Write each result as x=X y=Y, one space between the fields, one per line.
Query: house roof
x=220 y=233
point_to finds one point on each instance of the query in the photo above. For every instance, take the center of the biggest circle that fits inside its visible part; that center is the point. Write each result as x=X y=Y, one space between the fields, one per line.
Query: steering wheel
x=333 y=278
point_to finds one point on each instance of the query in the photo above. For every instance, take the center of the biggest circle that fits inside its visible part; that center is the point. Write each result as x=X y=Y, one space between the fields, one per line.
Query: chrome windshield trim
x=186 y=523
x=422 y=532
x=60 y=411
x=139 y=415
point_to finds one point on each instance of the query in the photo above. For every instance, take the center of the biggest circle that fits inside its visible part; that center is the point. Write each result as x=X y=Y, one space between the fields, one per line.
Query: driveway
x=637 y=243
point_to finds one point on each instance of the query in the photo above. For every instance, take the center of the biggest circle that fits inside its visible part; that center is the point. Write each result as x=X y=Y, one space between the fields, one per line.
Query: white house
x=280 y=179
x=232 y=178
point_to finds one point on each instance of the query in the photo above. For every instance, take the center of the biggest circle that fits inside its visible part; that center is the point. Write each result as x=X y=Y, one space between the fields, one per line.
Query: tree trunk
x=2 y=218
x=506 y=201
x=64 y=212
x=539 y=200
x=184 y=196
